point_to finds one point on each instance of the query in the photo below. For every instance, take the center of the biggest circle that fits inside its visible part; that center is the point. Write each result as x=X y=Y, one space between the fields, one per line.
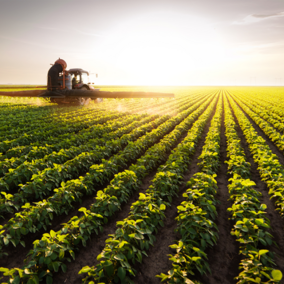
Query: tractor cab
x=80 y=79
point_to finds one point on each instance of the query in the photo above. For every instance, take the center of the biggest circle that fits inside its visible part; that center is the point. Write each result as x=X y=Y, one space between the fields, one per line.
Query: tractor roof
x=77 y=70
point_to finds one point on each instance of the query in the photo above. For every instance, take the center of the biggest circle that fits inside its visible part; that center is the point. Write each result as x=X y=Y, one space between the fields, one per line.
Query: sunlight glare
x=155 y=50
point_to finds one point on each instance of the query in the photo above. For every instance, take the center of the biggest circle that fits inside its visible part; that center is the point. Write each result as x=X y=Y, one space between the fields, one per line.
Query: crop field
x=184 y=190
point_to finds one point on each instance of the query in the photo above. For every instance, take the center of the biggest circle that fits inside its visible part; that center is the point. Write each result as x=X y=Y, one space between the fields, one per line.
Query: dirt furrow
x=157 y=260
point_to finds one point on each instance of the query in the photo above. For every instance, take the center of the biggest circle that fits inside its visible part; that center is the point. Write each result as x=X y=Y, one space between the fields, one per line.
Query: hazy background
x=149 y=42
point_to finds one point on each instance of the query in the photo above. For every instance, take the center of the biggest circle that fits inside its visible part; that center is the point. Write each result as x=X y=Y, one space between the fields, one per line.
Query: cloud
x=254 y=18
x=281 y=14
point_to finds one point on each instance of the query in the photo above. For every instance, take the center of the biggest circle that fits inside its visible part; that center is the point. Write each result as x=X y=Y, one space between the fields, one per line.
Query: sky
x=147 y=42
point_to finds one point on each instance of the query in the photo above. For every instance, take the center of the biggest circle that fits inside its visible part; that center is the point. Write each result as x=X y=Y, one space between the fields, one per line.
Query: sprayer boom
x=93 y=94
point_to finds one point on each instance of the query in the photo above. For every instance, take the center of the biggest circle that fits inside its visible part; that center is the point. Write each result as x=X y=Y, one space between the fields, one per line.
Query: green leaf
x=263 y=241
x=142 y=196
x=265 y=274
x=52 y=234
x=72 y=254
x=162 y=207
x=85 y=269
x=27 y=271
x=263 y=207
x=55 y=266
x=192 y=231
x=121 y=273
x=6 y=241
x=61 y=254
x=17 y=280
x=63 y=267
x=259 y=221
x=24 y=231
x=41 y=260
x=203 y=243
x=13 y=242
x=263 y=251
x=49 y=279
x=109 y=268
x=119 y=256
x=277 y=275
x=248 y=183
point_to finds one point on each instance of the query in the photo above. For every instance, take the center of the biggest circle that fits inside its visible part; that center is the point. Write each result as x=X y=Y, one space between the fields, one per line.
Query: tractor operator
x=53 y=74
x=74 y=81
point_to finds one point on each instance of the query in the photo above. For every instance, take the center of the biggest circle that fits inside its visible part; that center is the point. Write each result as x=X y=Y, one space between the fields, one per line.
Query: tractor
x=72 y=87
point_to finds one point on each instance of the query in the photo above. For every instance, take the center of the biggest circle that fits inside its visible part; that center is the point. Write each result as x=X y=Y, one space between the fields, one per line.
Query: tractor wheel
x=98 y=100
x=83 y=101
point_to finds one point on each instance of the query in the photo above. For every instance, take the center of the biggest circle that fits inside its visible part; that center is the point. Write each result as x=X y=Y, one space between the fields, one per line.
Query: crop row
x=272 y=105
x=80 y=138
x=251 y=227
x=43 y=147
x=267 y=111
x=271 y=132
x=49 y=123
x=35 y=117
x=273 y=119
x=56 y=143
x=23 y=173
x=40 y=158
x=196 y=214
x=46 y=127
x=74 y=189
x=53 y=121
x=51 y=177
x=90 y=216
x=160 y=108
x=17 y=114
x=47 y=153
x=41 y=116
x=135 y=234
x=270 y=169
x=39 y=137
x=32 y=218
